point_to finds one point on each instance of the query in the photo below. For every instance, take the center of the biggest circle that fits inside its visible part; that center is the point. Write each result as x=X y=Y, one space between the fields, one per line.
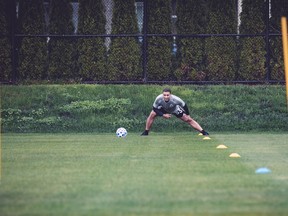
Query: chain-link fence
x=117 y=41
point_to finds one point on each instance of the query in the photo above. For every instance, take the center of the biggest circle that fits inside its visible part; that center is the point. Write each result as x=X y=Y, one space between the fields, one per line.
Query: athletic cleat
x=145 y=133
x=205 y=133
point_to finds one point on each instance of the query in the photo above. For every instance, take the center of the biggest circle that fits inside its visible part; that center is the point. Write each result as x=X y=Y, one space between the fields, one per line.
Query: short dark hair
x=167 y=90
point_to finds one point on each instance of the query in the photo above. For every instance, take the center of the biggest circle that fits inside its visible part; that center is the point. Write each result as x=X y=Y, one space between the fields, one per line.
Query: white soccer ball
x=121 y=132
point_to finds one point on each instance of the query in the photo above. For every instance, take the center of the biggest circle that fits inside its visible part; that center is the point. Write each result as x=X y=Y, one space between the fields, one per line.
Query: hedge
x=252 y=49
x=5 y=47
x=124 y=55
x=33 y=50
x=62 y=52
x=159 y=62
x=91 y=51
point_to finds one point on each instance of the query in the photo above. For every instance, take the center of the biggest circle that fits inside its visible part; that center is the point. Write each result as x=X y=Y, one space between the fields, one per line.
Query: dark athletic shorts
x=179 y=112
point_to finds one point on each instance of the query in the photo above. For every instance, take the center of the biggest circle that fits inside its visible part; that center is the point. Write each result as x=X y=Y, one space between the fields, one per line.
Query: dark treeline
x=159 y=40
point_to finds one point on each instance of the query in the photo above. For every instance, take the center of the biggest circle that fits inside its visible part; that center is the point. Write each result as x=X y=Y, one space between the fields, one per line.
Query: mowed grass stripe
x=162 y=174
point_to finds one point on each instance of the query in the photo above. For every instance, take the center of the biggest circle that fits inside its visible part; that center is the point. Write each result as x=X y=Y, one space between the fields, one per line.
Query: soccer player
x=166 y=104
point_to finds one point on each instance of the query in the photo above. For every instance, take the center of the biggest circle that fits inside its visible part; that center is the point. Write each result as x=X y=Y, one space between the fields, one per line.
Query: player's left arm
x=182 y=104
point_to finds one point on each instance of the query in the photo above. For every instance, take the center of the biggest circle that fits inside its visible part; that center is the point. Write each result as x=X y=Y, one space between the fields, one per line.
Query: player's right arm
x=157 y=107
x=158 y=111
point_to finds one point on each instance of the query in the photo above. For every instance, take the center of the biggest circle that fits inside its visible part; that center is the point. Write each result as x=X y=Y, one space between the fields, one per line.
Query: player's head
x=166 y=94
x=167 y=90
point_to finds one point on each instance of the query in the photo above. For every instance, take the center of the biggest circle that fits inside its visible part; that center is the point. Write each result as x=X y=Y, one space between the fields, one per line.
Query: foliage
x=5 y=48
x=124 y=54
x=33 y=50
x=159 y=62
x=277 y=61
x=191 y=19
x=252 y=50
x=220 y=51
x=91 y=51
x=61 y=50
x=109 y=106
x=61 y=59
x=278 y=8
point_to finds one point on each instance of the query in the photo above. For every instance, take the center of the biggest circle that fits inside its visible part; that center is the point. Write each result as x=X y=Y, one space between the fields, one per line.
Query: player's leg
x=149 y=122
x=193 y=123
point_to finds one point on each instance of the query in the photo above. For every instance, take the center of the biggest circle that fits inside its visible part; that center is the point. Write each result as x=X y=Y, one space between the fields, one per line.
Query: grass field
x=163 y=174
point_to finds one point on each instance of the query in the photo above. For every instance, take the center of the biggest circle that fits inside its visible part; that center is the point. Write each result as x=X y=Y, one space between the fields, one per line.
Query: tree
x=61 y=49
x=124 y=54
x=159 y=62
x=33 y=50
x=91 y=51
x=191 y=19
x=221 y=51
x=5 y=48
x=278 y=9
x=252 y=49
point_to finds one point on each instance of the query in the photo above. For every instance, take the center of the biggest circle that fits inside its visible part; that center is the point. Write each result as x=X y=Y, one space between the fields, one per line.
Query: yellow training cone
x=200 y=134
x=234 y=155
x=206 y=138
x=222 y=146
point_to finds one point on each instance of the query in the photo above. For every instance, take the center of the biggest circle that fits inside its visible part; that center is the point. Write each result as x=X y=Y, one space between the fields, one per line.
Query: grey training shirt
x=171 y=105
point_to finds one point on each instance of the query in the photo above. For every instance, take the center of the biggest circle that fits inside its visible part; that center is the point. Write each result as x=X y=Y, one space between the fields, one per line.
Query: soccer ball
x=121 y=132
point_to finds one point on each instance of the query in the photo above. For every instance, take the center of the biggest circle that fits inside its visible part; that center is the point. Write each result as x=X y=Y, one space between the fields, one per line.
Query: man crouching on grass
x=166 y=104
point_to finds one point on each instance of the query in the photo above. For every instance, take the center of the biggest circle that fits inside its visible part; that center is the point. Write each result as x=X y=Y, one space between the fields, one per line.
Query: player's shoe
x=205 y=133
x=145 y=133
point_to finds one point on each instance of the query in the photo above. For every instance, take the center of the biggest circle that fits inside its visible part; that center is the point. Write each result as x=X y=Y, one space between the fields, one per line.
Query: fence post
x=268 y=53
x=144 y=47
x=12 y=12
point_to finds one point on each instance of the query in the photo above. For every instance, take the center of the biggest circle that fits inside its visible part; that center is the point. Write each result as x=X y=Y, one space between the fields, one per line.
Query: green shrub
x=252 y=50
x=191 y=19
x=277 y=61
x=21 y=120
x=91 y=51
x=252 y=59
x=111 y=105
x=61 y=50
x=278 y=9
x=221 y=59
x=124 y=55
x=159 y=61
x=5 y=48
x=221 y=51
x=33 y=50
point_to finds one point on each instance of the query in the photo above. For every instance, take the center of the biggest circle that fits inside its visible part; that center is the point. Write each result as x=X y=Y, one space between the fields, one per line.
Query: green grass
x=163 y=174
x=104 y=108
